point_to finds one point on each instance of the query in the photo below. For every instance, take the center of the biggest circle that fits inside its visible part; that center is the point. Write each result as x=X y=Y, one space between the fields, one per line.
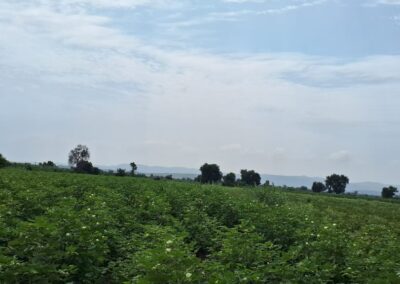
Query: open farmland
x=63 y=227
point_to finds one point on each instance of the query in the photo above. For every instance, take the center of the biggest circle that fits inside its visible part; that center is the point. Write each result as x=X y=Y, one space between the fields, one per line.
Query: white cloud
x=81 y=5
x=370 y=70
x=388 y=2
x=237 y=14
x=279 y=155
x=231 y=147
x=340 y=156
x=244 y=1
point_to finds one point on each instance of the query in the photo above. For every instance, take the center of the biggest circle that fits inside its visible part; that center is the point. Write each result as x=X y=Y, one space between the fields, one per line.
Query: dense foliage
x=318 y=187
x=336 y=183
x=229 y=179
x=79 y=154
x=61 y=227
x=210 y=173
x=250 y=178
x=3 y=162
x=389 y=192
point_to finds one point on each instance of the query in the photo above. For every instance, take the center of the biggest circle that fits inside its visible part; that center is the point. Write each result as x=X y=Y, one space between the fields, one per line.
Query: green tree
x=3 y=162
x=84 y=167
x=229 y=180
x=120 y=173
x=49 y=164
x=78 y=154
x=210 y=173
x=318 y=187
x=250 y=177
x=133 y=168
x=336 y=183
x=389 y=192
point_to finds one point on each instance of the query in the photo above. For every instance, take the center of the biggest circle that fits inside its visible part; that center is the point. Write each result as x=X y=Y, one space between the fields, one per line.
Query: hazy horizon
x=291 y=87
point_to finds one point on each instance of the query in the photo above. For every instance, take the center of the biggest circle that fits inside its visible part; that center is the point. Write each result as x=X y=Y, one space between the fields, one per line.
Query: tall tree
x=336 y=183
x=133 y=168
x=210 y=173
x=250 y=177
x=79 y=154
x=389 y=192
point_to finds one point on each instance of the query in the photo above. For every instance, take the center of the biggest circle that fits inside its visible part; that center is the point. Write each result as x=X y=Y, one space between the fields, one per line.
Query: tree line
x=333 y=184
x=210 y=173
x=79 y=162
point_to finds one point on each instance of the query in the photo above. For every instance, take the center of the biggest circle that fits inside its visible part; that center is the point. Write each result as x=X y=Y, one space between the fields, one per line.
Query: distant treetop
x=210 y=173
x=79 y=154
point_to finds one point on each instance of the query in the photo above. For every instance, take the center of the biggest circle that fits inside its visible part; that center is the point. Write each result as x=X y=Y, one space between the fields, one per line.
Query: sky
x=291 y=87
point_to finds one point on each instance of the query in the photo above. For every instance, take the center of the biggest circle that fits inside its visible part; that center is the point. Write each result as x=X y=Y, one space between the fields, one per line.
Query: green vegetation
x=3 y=162
x=58 y=227
x=389 y=192
x=336 y=183
x=318 y=187
x=250 y=178
x=210 y=173
x=133 y=168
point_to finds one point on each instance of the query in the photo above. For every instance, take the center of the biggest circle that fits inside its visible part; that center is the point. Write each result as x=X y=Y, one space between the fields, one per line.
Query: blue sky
x=283 y=87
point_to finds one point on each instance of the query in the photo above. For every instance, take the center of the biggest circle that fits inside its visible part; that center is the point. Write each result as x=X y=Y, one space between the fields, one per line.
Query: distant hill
x=370 y=188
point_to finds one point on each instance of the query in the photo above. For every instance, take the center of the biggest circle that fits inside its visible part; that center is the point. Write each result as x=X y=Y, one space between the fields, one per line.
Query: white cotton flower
x=188 y=275
x=169 y=242
x=155 y=266
x=334 y=224
x=83 y=227
x=325 y=227
x=68 y=234
x=168 y=250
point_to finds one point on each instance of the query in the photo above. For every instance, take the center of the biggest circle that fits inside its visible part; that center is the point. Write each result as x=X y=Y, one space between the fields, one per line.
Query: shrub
x=229 y=179
x=120 y=173
x=3 y=162
x=318 y=187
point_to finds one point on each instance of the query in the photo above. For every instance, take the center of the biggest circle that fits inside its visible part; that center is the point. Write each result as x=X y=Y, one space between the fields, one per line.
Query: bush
x=120 y=173
x=3 y=162
x=85 y=167
x=49 y=164
x=389 y=192
x=318 y=187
